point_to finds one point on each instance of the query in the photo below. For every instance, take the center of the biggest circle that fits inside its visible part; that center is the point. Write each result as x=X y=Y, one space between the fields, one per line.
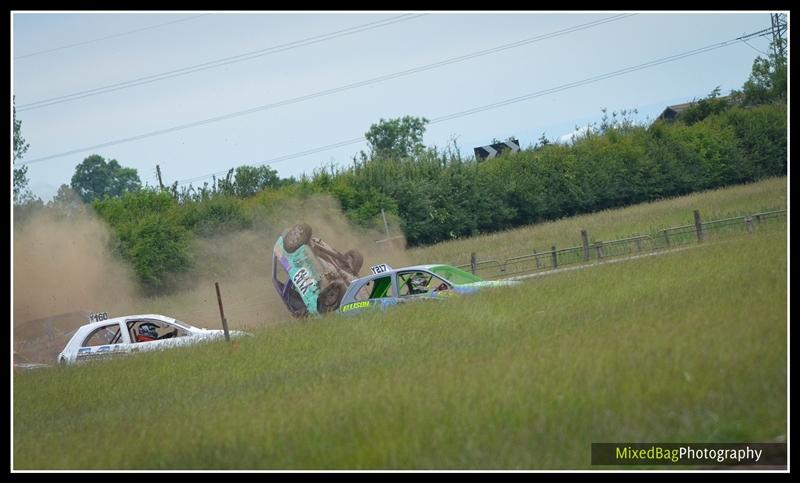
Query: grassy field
x=644 y=218
x=682 y=347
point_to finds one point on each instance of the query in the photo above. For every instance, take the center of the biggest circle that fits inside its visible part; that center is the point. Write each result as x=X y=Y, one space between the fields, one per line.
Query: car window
x=455 y=275
x=181 y=324
x=419 y=282
x=162 y=330
x=106 y=335
x=280 y=272
x=375 y=289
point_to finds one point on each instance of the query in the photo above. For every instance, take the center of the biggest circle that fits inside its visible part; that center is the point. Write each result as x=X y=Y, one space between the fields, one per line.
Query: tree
x=767 y=82
x=20 y=146
x=542 y=142
x=249 y=180
x=67 y=202
x=396 y=138
x=22 y=194
x=708 y=106
x=95 y=178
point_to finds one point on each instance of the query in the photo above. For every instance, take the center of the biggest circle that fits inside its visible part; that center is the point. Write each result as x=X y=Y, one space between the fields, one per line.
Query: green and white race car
x=388 y=286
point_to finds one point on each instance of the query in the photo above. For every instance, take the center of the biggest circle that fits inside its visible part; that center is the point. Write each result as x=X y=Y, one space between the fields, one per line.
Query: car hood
x=489 y=283
x=221 y=333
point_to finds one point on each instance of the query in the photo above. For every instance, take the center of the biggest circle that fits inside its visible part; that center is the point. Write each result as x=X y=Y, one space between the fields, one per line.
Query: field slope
x=683 y=347
x=645 y=218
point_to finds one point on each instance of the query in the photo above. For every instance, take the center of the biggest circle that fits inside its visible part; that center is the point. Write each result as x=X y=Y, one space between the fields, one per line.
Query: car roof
x=427 y=267
x=113 y=320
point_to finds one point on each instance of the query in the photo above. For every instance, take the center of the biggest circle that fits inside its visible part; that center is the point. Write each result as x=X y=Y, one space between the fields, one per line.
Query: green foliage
x=767 y=82
x=95 y=178
x=134 y=206
x=616 y=163
x=158 y=249
x=149 y=234
x=710 y=105
x=249 y=180
x=761 y=135
x=216 y=216
x=396 y=138
x=20 y=146
x=22 y=195
x=241 y=182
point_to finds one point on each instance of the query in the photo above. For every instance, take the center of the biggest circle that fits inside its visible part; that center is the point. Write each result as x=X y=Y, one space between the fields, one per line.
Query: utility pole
x=385 y=225
x=158 y=174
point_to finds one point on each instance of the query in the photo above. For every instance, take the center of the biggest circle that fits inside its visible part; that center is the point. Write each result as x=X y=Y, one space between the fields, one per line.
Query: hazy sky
x=59 y=55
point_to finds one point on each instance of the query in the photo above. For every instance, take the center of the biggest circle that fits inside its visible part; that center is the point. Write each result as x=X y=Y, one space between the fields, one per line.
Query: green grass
x=645 y=218
x=683 y=347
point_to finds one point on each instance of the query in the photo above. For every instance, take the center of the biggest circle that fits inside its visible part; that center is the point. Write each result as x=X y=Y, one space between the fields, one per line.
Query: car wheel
x=330 y=297
x=296 y=304
x=296 y=237
x=355 y=259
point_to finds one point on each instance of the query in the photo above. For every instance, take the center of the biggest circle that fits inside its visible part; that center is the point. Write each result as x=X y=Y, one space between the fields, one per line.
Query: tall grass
x=684 y=347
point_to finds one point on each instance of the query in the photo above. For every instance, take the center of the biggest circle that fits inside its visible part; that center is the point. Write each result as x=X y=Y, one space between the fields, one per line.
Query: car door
x=373 y=293
x=421 y=284
x=105 y=341
x=169 y=334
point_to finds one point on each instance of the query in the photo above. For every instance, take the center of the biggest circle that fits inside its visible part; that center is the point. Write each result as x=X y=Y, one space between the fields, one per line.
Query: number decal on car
x=382 y=268
x=302 y=280
x=98 y=317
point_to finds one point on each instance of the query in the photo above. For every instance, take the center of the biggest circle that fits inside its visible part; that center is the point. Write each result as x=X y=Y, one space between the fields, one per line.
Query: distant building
x=673 y=112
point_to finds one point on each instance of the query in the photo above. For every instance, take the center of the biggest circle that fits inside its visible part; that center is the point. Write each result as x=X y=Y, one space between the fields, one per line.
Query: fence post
x=536 y=257
x=585 y=240
x=748 y=222
x=638 y=244
x=222 y=314
x=473 y=263
x=666 y=237
x=555 y=257
x=599 y=246
x=698 y=225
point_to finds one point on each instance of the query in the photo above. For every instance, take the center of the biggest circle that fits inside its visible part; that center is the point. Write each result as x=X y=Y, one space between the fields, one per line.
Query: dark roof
x=671 y=112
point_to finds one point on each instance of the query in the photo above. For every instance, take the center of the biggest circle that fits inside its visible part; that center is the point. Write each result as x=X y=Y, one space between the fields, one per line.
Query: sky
x=292 y=82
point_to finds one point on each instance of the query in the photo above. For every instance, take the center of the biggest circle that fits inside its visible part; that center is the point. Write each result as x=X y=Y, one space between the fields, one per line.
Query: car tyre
x=330 y=297
x=297 y=306
x=297 y=236
x=355 y=259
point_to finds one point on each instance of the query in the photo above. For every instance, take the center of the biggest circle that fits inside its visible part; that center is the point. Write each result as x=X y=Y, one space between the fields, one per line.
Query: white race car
x=133 y=333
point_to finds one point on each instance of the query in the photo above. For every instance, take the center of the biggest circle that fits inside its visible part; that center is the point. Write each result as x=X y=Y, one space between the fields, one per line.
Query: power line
x=514 y=100
x=108 y=37
x=282 y=158
x=215 y=63
x=354 y=85
x=754 y=48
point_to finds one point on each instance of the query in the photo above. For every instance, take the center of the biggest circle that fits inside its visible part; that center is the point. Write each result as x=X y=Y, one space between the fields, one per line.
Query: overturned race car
x=309 y=275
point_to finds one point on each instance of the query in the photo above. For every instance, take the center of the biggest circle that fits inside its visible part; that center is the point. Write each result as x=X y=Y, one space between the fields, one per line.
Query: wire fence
x=625 y=247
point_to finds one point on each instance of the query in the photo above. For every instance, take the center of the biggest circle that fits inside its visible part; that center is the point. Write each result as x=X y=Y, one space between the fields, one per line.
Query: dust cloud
x=242 y=264
x=64 y=268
